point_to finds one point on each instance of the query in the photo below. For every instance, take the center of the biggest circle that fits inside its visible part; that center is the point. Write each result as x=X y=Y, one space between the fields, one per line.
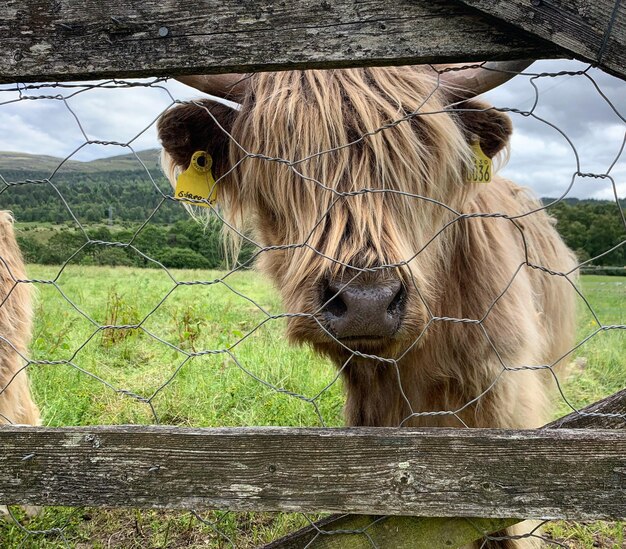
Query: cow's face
x=356 y=219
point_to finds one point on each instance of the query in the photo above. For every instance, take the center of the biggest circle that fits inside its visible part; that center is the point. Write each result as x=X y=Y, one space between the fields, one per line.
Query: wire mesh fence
x=208 y=348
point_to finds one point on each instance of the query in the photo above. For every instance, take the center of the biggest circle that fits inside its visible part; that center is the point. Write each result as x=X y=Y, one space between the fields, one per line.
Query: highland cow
x=419 y=285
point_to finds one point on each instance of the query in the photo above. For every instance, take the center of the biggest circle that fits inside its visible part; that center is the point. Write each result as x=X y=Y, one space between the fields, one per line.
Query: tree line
x=186 y=244
x=589 y=227
x=132 y=196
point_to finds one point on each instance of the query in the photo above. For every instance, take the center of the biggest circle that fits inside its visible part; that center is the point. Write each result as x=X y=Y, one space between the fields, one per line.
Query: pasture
x=264 y=381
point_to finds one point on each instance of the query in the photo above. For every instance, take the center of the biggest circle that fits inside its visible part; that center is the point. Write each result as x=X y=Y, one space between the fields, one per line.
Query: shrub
x=182 y=258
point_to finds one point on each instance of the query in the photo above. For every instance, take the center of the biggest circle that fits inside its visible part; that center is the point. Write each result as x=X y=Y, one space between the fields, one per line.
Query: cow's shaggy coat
x=473 y=371
x=16 y=403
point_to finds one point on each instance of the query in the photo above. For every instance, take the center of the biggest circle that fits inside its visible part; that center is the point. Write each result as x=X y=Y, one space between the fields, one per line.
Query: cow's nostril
x=396 y=306
x=333 y=303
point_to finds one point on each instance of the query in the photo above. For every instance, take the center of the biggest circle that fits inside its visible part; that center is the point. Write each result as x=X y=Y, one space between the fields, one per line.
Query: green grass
x=209 y=390
x=110 y=368
x=588 y=535
x=598 y=367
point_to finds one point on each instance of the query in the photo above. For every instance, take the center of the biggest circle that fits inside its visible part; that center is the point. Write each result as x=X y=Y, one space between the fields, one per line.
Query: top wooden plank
x=88 y=39
x=591 y=30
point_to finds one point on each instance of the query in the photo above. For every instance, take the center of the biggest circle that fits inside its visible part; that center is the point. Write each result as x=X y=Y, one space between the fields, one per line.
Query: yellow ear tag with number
x=196 y=182
x=482 y=166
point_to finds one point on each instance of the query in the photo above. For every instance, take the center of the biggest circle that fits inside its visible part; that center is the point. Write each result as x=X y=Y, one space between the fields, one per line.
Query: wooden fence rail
x=426 y=472
x=468 y=473
x=88 y=39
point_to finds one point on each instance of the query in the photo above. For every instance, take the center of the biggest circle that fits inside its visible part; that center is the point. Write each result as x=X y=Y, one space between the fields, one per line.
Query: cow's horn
x=462 y=82
x=227 y=86
x=473 y=81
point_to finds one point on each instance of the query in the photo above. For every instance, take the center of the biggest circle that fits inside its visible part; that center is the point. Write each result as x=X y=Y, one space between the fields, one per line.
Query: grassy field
x=255 y=385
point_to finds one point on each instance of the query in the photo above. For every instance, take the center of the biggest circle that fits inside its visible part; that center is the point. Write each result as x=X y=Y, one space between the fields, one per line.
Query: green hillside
x=39 y=185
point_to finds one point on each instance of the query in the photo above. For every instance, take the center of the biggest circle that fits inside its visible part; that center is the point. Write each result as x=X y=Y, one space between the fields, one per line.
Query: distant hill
x=17 y=163
x=582 y=201
x=90 y=189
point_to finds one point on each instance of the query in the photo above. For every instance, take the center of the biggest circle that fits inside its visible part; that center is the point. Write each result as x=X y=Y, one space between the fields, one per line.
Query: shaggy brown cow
x=16 y=403
x=368 y=246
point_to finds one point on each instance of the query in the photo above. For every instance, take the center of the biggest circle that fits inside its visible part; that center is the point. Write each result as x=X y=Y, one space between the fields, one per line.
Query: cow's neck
x=389 y=395
x=372 y=396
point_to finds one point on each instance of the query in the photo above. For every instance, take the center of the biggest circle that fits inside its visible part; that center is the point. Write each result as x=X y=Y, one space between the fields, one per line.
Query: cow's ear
x=197 y=126
x=493 y=128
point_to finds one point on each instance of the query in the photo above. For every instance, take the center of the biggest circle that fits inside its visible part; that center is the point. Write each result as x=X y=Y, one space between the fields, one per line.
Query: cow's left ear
x=492 y=127
x=199 y=125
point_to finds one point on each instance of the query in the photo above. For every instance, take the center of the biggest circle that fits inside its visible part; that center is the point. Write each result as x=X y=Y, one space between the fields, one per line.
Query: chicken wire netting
x=113 y=344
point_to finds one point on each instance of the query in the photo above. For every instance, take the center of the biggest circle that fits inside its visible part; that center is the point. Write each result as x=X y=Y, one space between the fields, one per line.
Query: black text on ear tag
x=196 y=184
x=481 y=168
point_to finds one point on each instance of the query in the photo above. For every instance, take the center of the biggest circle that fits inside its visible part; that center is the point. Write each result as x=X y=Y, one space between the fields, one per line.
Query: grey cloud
x=584 y=126
x=38 y=127
x=120 y=114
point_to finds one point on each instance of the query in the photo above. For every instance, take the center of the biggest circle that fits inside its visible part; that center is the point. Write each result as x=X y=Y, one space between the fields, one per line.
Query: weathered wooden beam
x=88 y=39
x=431 y=532
x=608 y=413
x=423 y=472
x=591 y=30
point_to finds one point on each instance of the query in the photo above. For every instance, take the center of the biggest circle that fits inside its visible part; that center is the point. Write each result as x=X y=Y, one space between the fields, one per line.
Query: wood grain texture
x=88 y=39
x=432 y=532
x=424 y=472
x=591 y=30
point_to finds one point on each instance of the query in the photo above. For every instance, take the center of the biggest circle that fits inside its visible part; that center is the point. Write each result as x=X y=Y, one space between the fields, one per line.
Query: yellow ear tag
x=196 y=182
x=482 y=166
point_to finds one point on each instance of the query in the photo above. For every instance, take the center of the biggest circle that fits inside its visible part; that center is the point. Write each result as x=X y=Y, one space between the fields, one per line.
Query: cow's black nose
x=358 y=310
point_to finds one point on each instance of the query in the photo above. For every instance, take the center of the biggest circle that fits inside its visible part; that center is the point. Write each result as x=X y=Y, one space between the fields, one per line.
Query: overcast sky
x=541 y=156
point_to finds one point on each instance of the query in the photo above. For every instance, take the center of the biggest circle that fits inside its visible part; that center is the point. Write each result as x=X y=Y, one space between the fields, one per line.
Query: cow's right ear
x=195 y=126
